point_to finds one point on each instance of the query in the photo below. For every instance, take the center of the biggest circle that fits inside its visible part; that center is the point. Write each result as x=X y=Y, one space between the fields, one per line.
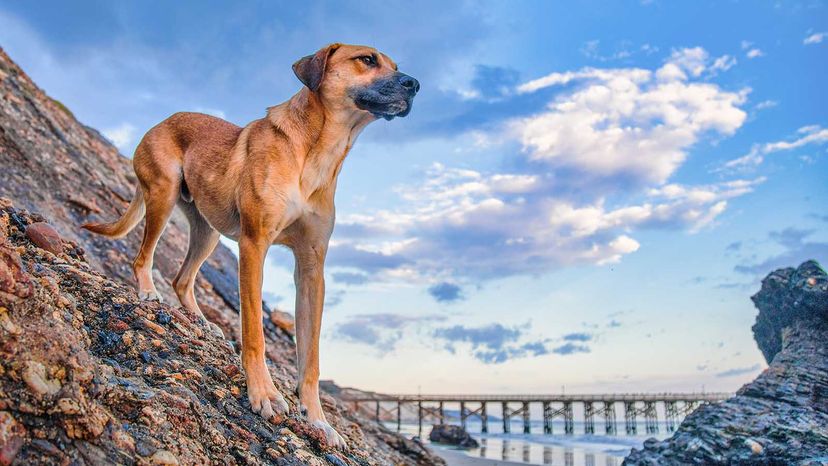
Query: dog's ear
x=311 y=69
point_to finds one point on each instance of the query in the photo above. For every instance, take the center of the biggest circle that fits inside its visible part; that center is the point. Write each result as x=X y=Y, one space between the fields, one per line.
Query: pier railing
x=603 y=407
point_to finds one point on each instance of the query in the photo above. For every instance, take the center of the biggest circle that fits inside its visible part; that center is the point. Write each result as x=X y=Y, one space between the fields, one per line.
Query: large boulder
x=781 y=418
x=452 y=435
x=91 y=375
x=788 y=295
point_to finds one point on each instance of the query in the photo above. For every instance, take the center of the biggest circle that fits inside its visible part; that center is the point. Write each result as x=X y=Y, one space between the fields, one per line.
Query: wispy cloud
x=381 y=331
x=122 y=135
x=765 y=104
x=807 y=135
x=815 y=38
x=492 y=344
x=272 y=298
x=570 y=348
x=445 y=292
x=458 y=217
x=581 y=336
x=796 y=249
x=754 y=53
x=350 y=278
x=496 y=343
x=334 y=297
x=751 y=51
x=738 y=371
x=620 y=51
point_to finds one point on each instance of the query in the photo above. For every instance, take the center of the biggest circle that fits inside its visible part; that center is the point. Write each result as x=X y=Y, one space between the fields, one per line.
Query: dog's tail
x=119 y=228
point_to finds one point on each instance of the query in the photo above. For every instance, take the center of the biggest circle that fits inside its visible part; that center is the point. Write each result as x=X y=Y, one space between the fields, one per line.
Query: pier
x=599 y=413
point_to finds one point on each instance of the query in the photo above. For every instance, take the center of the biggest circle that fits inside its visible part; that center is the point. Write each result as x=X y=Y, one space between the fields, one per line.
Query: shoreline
x=534 y=449
x=458 y=458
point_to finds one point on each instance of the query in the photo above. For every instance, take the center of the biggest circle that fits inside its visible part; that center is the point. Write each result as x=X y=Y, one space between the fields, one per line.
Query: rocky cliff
x=781 y=418
x=88 y=374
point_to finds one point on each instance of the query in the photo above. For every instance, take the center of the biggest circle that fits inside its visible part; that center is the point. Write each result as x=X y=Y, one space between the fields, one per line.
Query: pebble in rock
x=45 y=237
x=334 y=460
x=164 y=457
x=11 y=437
x=755 y=447
x=163 y=318
x=35 y=377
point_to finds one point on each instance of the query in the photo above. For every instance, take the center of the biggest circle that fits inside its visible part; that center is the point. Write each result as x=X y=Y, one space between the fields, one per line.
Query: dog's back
x=164 y=151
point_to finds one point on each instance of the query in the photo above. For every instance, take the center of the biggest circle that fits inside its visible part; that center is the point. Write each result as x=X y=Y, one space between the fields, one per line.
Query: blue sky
x=583 y=196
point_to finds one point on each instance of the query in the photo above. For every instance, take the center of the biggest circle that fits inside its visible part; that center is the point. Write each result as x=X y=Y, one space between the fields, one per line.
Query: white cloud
x=623 y=50
x=765 y=104
x=812 y=134
x=627 y=121
x=692 y=60
x=754 y=53
x=815 y=38
x=460 y=224
x=558 y=79
x=751 y=51
x=723 y=63
x=617 y=130
x=121 y=135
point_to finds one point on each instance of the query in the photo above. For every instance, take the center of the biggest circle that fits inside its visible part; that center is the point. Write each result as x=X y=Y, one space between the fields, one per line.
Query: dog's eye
x=369 y=60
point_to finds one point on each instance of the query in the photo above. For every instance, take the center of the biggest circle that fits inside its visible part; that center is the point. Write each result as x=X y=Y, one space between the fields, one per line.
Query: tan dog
x=271 y=182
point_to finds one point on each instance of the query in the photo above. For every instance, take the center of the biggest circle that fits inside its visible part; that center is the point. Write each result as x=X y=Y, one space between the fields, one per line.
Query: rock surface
x=452 y=435
x=781 y=418
x=88 y=374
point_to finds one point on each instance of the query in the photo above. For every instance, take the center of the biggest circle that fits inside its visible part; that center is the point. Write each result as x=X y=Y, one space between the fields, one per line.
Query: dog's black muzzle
x=387 y=97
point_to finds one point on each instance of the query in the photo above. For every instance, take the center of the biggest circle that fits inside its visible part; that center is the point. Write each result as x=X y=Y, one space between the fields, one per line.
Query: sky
x=583 y=198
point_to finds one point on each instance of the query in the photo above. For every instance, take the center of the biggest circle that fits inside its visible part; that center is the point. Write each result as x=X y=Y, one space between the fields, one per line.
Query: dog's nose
x=409 y=83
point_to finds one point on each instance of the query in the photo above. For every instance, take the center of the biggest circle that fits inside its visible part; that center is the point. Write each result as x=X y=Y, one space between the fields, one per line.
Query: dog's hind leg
x=160 y=179
x=160 y=201
x=203 y=240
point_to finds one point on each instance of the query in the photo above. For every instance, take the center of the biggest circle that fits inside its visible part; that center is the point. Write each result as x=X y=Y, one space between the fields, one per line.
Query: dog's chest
x=317 y=177
x=320 y=172
x=296 y=205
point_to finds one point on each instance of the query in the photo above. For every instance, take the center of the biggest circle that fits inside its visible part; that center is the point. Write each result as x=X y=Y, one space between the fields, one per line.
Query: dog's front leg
x=310 y=295
x=265 y=399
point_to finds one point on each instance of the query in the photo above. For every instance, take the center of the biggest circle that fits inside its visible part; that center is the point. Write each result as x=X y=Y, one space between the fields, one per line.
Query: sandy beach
x=457 y=458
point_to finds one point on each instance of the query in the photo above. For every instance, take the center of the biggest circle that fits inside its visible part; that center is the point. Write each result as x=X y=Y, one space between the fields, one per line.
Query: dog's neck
x=325 y=136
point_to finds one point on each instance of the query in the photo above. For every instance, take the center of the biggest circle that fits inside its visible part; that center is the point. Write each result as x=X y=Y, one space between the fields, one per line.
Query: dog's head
x=358 y=78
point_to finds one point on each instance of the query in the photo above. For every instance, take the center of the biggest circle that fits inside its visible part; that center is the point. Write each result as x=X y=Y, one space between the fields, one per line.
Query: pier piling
x=650 y=417
x=589 y=418
x=527 y=428
x=484 y=418
x=507 y=418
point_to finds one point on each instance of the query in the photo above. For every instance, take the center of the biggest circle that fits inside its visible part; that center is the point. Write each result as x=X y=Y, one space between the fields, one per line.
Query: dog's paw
x=267 y=401
x=332 y=437
x=150 y=295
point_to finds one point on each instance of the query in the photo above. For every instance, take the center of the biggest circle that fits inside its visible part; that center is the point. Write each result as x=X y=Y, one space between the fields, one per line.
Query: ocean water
x=556 y=449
